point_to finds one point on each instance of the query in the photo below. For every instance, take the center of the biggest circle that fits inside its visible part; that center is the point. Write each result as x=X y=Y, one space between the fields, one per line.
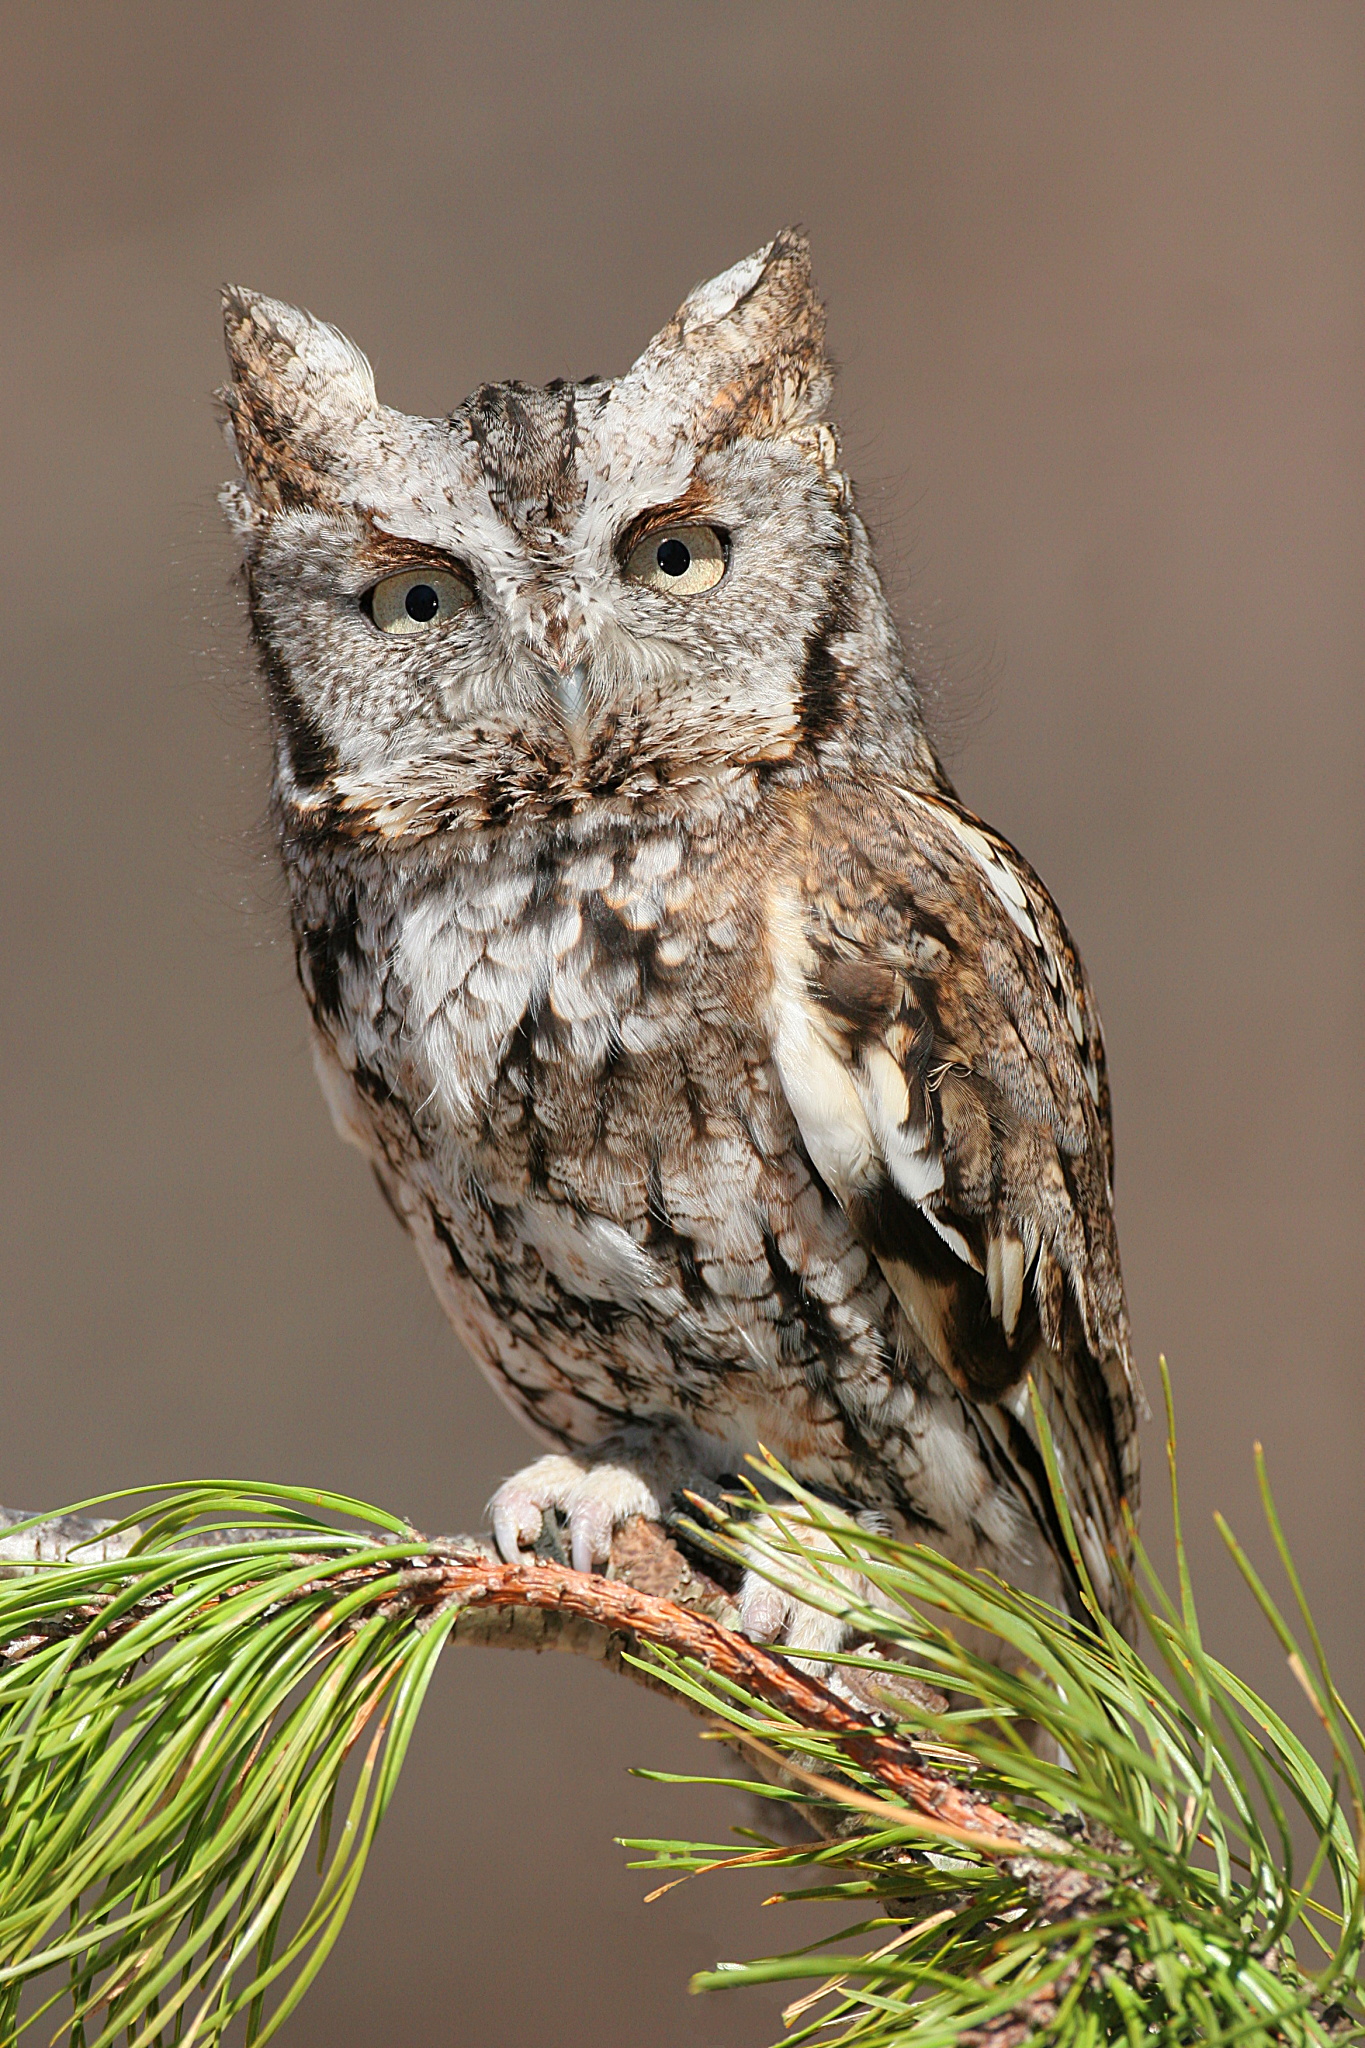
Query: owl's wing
x=937 y=1039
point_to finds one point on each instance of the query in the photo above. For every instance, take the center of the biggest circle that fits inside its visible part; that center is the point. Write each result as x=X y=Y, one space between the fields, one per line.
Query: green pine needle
x=174 y=1728
x=199 y=1739
x=1175 y=1808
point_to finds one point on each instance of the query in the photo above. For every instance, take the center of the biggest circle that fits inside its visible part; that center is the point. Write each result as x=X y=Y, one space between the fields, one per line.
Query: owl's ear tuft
x=299 y=388
x=243 y=514
x=745 y=352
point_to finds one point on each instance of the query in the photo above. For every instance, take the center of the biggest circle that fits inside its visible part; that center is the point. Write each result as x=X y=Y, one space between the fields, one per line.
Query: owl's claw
x=590 y=1534
x=594 y=1501
x=518 y=1509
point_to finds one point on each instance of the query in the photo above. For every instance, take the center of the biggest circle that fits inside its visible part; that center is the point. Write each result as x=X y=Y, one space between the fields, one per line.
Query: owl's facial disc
x=554 y=602
x=457 y=661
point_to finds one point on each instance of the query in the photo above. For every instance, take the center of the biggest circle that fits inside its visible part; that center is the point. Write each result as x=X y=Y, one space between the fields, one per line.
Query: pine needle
x=199 y=1738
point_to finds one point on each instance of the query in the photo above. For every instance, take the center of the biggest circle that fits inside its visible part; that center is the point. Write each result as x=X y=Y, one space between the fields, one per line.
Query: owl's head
x=596 y=598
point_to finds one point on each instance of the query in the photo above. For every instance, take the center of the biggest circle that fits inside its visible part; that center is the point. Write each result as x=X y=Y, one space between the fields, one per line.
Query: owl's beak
x=569 y=688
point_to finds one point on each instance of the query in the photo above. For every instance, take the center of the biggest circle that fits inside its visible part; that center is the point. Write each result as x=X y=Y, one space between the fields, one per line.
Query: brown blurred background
x=1093 y=274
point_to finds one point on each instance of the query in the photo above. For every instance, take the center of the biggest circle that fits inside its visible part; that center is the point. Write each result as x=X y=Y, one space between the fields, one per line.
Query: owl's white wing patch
x=932 y=1030
x=834 y=1125
x=854 y=1115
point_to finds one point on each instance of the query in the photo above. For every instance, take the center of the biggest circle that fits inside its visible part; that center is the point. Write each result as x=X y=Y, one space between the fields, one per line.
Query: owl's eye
x=415 y=600
x=684 y=560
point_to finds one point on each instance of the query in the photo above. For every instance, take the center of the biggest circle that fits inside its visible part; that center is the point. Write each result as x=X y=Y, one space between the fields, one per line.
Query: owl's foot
x=771 y=1614
x=634 y=1474
x=767 y=1614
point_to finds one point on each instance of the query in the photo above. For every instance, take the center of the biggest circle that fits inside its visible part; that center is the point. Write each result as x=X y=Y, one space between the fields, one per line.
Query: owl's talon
x=590 y=1533
x=515 y=1528
x=517 y=1510
x=593 y=1500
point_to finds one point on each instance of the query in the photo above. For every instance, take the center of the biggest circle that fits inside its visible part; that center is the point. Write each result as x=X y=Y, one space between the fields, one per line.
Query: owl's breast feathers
x=937 y=1039
x=781 y=1127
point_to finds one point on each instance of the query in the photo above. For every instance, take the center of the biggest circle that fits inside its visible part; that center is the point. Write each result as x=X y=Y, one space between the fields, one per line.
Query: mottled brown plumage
x=735 y=1083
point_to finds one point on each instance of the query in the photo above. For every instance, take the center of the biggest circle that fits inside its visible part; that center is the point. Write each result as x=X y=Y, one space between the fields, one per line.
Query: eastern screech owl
x=735 y=1083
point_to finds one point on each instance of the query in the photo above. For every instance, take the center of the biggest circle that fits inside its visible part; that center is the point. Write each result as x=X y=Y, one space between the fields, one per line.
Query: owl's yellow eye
x=415 y=600
x=683 y=560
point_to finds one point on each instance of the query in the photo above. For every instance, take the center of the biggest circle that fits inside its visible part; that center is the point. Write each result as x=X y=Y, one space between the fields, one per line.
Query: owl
x=736 y=1085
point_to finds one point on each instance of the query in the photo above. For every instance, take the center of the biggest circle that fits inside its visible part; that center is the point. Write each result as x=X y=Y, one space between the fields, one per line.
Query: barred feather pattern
x=736 y=1085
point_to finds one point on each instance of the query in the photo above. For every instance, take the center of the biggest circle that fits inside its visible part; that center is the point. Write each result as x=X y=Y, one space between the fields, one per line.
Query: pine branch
x=191 y=1694
x=653 y=1599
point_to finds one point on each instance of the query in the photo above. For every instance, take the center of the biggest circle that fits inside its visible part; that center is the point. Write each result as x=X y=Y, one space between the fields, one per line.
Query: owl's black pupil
x=674 y=558
x=421 y=603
